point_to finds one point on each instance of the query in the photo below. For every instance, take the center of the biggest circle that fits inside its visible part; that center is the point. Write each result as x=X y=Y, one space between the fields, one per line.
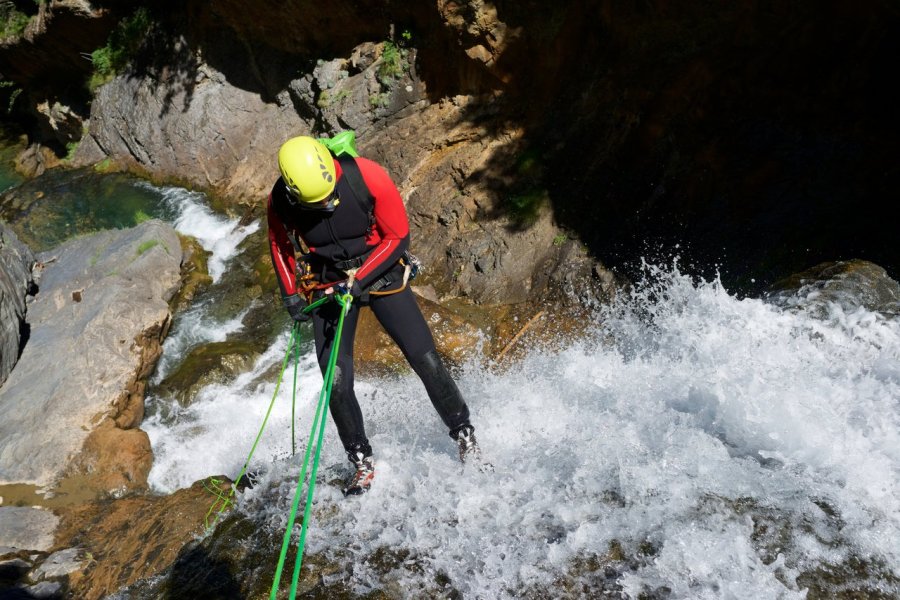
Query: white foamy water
x=192 y=328
x=217 y=234
x=190 y=215
x=725 y=446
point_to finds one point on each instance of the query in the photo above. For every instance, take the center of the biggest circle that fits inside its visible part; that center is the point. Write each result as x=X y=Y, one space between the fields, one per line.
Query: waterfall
x=700 y=443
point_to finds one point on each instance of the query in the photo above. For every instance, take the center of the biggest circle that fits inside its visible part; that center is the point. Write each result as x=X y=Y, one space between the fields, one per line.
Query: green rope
x=315 y=304
x=226 y=500
x=223 y=499
x=318 y=424
x=294 y=399
x=345 y=308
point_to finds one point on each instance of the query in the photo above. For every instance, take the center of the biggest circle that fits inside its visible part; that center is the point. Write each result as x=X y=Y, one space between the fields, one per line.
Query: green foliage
x=560 y=239
x=326 y=99
x=140 y=216
x=528 y=163
x=121 y=46
x=379 y=100
x=71 y=147
x=406 y=36
x=525 y=208
x=392 y=63
x=12 y=99
x=12 y=21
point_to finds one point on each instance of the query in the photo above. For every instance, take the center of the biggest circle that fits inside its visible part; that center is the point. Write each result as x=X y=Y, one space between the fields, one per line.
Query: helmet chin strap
x=316 y=206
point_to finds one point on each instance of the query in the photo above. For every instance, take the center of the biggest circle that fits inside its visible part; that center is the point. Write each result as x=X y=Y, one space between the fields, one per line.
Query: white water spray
x=714 y=447
x=190 y=215
x=216 y=234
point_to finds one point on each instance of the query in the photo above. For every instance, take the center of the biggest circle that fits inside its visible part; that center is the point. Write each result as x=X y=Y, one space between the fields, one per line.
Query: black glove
x=295 y=304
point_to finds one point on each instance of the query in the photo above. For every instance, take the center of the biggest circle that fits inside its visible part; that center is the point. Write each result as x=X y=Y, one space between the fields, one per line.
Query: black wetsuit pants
x=403 y=321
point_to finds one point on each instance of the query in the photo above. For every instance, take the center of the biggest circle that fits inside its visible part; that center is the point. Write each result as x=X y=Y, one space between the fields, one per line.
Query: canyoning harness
x=316 y=437
x=309 y=284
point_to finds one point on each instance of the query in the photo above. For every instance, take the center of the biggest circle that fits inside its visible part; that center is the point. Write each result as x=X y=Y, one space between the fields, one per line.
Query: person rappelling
x=349 y=215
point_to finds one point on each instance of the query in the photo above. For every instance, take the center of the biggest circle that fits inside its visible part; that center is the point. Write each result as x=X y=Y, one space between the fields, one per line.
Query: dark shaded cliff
x=753 y=138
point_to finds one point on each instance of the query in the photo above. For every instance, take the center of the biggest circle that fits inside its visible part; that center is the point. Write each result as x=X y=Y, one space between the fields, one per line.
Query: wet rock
x=27 y=528
x=44 y=589
x=376 y=353
x=132 y=538
x=16 y=261
x=12 y=570
x=213 y=363
x=34 y=160
x=59 y=564
x=84 y=363
x=849 y=284
x=238 y=561
x=194 y=272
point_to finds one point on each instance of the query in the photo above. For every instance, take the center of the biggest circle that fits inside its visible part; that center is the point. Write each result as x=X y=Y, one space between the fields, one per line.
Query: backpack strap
x=366 y=201
x=354 y=177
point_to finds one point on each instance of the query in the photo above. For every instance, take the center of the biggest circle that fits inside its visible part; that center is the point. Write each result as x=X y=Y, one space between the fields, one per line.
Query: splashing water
x=217 y=234
x=693 y=446
x=192 y=328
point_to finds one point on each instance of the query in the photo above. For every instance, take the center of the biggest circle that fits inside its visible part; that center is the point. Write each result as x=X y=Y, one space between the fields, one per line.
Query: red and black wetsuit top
x=355 y=227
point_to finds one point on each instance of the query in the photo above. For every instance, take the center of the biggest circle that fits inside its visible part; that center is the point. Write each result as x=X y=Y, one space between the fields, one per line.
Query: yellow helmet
x=307 y=169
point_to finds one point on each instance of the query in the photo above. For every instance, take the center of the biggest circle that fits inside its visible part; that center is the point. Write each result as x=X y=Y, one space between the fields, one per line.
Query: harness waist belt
x=353 y=263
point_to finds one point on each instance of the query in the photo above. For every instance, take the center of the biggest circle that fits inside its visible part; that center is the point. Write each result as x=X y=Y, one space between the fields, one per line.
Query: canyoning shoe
x=247 y=481
x=468 y=445
x=361 y=480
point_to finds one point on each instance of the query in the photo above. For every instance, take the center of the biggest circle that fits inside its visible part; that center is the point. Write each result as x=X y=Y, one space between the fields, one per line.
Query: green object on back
x=342 y=144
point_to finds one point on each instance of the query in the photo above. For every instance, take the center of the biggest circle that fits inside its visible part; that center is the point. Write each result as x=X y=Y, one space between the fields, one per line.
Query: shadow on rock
x=196 y=574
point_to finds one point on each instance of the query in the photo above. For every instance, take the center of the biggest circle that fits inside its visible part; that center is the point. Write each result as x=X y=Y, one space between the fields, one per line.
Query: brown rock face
x=115 y=459
x=131 y=538
x=376 y=353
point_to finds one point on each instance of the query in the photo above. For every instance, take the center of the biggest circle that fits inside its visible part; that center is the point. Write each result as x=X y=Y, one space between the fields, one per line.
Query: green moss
x=103 y=166
x=147 y=245
x=98 y=252
x=140 y=216
x=326 y=99
x=560 y=239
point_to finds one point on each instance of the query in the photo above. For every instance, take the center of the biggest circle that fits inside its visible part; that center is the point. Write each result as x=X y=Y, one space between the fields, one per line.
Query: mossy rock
x=194 y=272
x=214 y=363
